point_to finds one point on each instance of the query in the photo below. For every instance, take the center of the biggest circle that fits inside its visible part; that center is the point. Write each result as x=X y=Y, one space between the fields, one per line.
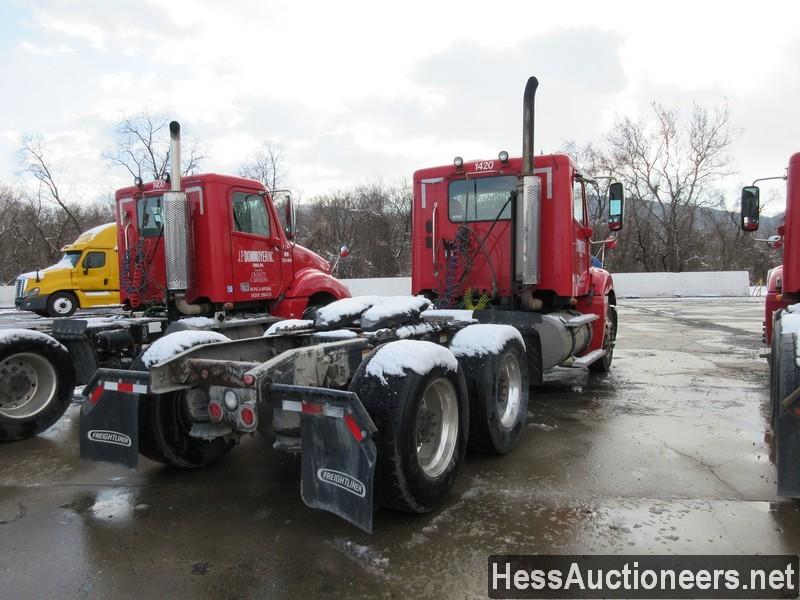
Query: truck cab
x=234 y=250
x=87 y=276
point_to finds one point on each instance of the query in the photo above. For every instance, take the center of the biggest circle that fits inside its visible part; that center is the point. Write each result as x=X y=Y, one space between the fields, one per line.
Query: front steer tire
x=401 y=481
x=37 y=382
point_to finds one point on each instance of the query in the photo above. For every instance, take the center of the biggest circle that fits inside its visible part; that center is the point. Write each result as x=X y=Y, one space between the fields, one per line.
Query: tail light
x=247 y=418
x=215 y=411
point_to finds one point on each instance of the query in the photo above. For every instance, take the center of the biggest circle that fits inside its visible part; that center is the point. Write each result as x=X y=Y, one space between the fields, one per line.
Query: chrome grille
x=20 y=287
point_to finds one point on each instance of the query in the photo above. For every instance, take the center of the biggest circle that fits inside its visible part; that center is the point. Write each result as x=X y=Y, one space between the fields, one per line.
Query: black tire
x=401 y=483
x=609 y=338
x=164 y=424
x=62 y=304
x=39 y=363
x=499 y=388
x=774 y=358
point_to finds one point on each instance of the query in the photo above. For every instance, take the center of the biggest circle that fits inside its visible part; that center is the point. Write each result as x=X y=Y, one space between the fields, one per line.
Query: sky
x=366 y=91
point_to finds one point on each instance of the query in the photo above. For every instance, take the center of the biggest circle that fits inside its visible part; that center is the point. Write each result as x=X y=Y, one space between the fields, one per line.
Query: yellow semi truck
x=87 y=276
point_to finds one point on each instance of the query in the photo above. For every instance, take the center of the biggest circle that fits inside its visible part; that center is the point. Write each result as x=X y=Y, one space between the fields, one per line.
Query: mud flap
x=109 y=425
x=338 y=454
x=788 y=451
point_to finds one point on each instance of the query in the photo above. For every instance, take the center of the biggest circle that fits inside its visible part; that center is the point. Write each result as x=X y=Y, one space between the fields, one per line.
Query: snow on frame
x=437 y=314
x=336 y=334
x=198 y=321
x=482 y=339
x=395 y=358
x=13 y=336
x=393 y=306
x=173 y=344
x=288 y=325
x=345 y=308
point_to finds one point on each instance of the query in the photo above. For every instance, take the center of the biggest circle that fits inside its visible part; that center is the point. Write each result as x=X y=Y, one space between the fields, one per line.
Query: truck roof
x=190 y=180
x=102 y=236
x=492 y=166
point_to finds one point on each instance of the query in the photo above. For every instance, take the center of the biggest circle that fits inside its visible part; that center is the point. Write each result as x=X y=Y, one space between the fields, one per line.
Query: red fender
x=306 y=283
x=602 y=286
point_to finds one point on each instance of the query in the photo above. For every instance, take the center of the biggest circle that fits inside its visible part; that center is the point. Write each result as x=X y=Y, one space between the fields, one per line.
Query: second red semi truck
x=381 y=396
x=782 y=326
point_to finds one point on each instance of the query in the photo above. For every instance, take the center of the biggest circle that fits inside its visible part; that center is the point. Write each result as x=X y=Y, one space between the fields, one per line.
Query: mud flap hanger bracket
x=338 y=454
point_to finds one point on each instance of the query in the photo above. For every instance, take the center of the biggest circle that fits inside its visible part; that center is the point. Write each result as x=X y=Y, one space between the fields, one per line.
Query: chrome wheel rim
x=28 y=384
x=509 y=391
x=436 y=430
x=63 y=306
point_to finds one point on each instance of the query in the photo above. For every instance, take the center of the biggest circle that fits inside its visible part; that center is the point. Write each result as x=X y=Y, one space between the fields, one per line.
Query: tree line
x=670 y=163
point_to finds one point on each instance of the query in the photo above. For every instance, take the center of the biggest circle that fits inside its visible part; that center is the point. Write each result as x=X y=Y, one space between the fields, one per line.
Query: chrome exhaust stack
x=177 y=232
x=528 y=228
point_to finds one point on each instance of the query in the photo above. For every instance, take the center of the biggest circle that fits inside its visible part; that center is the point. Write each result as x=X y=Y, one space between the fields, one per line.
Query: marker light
x=503 y=156
x=231 y=400
x=249 y=379
x=137 y=181
x=458 y=162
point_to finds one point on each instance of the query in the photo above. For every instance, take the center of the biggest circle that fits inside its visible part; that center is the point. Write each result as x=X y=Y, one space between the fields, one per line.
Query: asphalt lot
x=664 y=455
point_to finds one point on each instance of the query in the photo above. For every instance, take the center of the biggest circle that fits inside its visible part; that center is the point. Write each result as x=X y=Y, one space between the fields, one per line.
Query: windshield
x=481 y=199
x=69 y=260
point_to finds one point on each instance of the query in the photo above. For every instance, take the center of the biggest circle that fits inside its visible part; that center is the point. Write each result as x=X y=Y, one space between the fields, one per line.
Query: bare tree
x=668 y=166
x=33 y=157
x=143 y=147
x=266 y=165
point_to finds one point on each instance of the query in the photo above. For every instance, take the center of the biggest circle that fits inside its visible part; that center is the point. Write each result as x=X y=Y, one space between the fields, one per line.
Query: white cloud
x=364 y=89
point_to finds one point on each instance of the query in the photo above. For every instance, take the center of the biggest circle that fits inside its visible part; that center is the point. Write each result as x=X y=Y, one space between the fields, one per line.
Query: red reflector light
x=249 y=379
x=353 y=427
x=95 y=395
x=247 y=416
x=215 y=412
x=312 y=409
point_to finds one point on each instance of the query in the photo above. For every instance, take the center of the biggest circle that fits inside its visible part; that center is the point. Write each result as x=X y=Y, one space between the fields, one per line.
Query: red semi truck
x=193 y=252
x=382 y=396
x=782 y=325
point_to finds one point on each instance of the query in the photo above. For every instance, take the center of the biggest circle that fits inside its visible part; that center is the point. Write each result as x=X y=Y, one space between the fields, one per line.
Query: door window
x=94 y=260
x=250 y=214
x=577 y=202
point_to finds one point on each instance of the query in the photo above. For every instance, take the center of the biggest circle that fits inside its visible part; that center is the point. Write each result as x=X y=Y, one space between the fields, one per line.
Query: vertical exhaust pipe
x=177 y=234
x=175 y=156
x=528 y=228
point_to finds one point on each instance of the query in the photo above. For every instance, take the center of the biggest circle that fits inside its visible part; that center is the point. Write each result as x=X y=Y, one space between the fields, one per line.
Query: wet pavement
x=664 y=455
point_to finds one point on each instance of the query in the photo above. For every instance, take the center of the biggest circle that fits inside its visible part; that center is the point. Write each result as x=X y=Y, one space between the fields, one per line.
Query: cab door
x=255 y=247
x=94 y=278
x=582 y=236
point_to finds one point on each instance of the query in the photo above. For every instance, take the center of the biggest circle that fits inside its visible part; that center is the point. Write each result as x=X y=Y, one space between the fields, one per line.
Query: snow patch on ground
x=396 y=357
x=393 y=306
x=336 y=334
x=437 y=314
x=482 y=339
x=363 y=554
x=288 y=325
x=175 y=343
x=13 y=336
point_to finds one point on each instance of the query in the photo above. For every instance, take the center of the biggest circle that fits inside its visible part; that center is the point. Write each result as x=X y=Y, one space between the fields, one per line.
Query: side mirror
x=750 y=208
x=289 y=217
x=616 y=206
